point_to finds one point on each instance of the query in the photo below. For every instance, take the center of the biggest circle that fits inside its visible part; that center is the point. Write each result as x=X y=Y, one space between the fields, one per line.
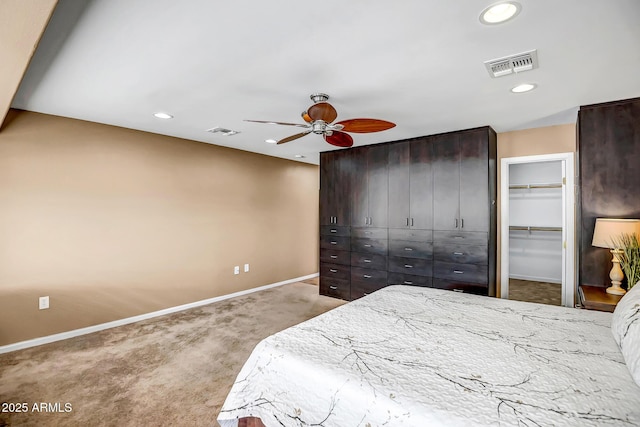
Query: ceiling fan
x=319 y=118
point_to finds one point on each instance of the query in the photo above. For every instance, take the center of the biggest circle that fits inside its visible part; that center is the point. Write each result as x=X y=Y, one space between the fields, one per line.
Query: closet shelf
x=532 y=186
x=533 y=228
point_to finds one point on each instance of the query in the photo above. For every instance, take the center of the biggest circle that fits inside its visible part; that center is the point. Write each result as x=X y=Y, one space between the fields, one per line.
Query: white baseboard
x=90 y=329
x=536 y=278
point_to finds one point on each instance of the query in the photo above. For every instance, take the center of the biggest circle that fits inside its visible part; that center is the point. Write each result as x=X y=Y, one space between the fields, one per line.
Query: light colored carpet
x=540 y=292
x=172 y=370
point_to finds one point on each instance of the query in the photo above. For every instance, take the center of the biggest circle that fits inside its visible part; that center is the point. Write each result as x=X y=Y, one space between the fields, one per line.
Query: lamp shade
x=609 y=230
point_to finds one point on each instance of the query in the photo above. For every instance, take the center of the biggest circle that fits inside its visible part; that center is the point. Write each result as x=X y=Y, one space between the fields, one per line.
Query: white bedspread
x=410 y=356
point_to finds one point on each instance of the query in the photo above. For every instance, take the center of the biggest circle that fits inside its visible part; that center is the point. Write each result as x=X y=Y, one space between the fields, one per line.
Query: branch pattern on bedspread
x=410 y=356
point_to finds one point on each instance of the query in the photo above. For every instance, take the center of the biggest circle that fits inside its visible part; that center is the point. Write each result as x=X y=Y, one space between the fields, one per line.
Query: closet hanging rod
x=530 y=229
x=528 y=186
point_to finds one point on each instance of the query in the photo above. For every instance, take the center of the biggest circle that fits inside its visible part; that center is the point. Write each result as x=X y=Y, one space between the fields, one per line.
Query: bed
x=411 y=356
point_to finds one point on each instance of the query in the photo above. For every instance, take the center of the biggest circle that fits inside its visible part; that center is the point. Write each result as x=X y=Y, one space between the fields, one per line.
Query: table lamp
x=607 y=234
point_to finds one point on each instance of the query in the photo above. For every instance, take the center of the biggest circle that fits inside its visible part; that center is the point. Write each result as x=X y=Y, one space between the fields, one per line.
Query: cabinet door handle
x=406 y=282
x=366 y=293
x=333 y=270
x=334 y=256
x=408 y=266
x=407 y=222
x=333 y=288
x=370 y=221
x=367 y=260
x=461 y=222
x=408 y=249
x=458 y=272
x=458 y=253
x=412 y=222
x=334 y=242
x=456 y=222
x=366 y=276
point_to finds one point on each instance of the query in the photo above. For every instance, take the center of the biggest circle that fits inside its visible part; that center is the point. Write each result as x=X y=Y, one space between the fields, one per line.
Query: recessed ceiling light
x=524 y=87
x=270 y=141
x=299 y=156
x=163 y=115
x=500 y=12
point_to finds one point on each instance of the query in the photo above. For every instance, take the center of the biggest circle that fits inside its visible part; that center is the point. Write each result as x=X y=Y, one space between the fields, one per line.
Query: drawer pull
x=458 y=237
x=334 y=256
x=406 y=282
x=457 y=290
x=333 y=270
x=333 y=230
x=458 y=253
x=408 y=266
x=334 y=243
x=367 y=246
x=408 y=249
x=367 y=260
x=333 y=288
x=366 y=293
x=458 y=272
x=366 y=276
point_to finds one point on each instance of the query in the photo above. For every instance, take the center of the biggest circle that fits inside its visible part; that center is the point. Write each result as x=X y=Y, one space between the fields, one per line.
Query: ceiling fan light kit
x=319 y=118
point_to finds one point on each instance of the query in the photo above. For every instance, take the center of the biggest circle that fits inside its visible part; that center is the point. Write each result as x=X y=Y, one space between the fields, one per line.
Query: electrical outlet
x=236 y=269
x=246 y=268
x=43 y=303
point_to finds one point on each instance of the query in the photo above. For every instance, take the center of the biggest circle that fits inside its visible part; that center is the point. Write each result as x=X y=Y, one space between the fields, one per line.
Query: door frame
x=568 y=222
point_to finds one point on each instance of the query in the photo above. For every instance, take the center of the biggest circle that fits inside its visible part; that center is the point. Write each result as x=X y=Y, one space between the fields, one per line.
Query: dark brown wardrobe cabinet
x=421 y=212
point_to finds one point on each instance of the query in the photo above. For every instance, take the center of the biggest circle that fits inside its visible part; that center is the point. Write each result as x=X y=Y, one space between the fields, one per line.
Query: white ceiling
x=418 y=63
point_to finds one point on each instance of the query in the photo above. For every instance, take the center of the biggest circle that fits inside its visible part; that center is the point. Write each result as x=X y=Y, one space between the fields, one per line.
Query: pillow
x=625 y=326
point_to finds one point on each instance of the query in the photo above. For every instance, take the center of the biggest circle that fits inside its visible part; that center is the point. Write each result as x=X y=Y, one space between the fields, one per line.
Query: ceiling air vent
x=223 y=131
x=512 y=64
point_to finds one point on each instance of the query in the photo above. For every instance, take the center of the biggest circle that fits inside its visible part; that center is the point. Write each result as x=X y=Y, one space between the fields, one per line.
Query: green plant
x=630 y=257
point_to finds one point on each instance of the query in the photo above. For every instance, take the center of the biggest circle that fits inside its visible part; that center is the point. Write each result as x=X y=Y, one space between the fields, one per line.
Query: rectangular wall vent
x=512 y=64
x=225 y=132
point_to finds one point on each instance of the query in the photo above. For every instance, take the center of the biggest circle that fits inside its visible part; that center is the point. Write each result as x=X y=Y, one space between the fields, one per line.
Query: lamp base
x=616 y=290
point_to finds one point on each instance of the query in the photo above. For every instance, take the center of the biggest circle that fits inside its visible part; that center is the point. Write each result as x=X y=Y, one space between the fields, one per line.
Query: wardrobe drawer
x=369 y=233
x=466 y=273
x=413 y=235
x=374 y=261
x=335 y=271
x=369 y=246
x=461 y=254
x=412 y=266
x=335 y=230
x=407 y=279
x=409 y=249
x=335 y=257
x=335 y=288
x=368 y=276
x=452 y=285
x=464 y=237
x=361 y=289
x=341 y=243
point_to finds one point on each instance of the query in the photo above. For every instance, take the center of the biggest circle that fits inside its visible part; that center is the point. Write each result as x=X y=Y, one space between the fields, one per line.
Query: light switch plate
x=246 y=268
x=43 y=303
x=236 y=269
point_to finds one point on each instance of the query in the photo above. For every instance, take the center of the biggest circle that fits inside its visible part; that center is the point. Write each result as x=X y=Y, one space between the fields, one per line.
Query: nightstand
x=597 y=298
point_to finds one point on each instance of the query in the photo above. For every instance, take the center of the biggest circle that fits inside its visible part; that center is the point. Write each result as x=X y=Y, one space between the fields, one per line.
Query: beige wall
x=112 y=223
x=531 y=142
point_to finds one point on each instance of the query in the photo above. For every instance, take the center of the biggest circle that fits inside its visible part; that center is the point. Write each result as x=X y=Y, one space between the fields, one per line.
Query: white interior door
x=543 y=239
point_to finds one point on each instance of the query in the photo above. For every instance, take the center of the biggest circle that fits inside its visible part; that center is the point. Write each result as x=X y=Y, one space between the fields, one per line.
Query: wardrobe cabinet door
x=399 y=184
x=446 y=182
x=378 y=185
x=327 y=188
x=474 y=181
x=342 y=176
x=421 y=185
x=359 y=189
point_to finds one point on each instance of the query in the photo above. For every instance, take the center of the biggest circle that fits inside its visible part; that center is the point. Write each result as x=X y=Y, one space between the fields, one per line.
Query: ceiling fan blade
x=365 y=125
x=277 y=123
x=292 y=137
x=339 y=139
x=305 y=117
x=322 y=111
